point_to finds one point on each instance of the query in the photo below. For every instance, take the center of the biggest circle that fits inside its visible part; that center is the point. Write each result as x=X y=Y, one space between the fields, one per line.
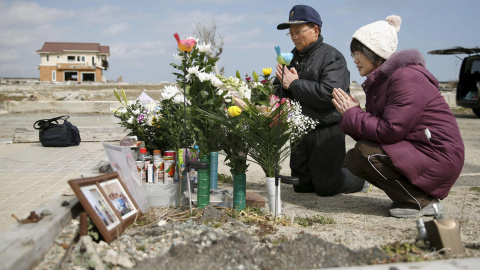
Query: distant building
x=17 y=80
x=80 y=62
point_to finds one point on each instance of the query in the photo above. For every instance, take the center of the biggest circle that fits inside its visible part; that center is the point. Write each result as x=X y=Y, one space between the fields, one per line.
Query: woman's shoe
x=410 y=213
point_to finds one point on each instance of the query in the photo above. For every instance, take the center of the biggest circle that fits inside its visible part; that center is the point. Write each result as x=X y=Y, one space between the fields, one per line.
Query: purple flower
x=264 y=81
x=140 y=118
x=248 y=79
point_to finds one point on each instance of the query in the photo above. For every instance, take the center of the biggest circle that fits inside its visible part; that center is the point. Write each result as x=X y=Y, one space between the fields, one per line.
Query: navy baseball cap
x=301 y=14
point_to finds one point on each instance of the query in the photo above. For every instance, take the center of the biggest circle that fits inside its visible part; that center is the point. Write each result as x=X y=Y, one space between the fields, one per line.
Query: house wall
x=46 y=73
x=46 y=67
x=54 y=59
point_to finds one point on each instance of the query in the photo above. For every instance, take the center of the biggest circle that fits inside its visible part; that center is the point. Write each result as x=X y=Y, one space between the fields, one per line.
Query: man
x=315 y=70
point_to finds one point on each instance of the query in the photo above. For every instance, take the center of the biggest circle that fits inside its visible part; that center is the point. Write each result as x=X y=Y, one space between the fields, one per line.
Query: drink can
x=169 y=155
x=169 y=173
x=141 y=169
x=158 y=170
x=150 y=174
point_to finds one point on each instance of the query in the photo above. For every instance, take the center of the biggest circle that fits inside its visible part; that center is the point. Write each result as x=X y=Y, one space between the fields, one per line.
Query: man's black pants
x=318 y=161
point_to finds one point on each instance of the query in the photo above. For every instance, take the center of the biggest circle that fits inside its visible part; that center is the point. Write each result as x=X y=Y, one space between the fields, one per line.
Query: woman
x=408 y=142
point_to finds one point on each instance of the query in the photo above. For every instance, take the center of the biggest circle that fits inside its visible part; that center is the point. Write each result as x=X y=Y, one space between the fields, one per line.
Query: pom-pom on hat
x=301 y=14
x=380 y=36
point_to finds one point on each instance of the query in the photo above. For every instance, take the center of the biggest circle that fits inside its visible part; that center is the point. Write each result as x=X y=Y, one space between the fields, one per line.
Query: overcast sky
x=140 y=33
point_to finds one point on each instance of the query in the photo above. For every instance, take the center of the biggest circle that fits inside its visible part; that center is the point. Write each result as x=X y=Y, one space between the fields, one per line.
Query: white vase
x=271 y=195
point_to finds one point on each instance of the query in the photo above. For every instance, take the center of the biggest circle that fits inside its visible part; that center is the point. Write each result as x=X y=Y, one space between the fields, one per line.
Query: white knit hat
x=380 y=36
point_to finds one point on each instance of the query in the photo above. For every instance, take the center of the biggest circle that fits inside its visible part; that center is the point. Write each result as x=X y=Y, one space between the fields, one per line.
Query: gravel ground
x=361 y=234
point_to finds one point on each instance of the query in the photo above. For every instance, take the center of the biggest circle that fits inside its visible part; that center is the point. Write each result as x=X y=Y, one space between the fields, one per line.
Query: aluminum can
x=169 y=172
x=169 y=155
x=150 y=174
x=158 y=167
x=141 y=168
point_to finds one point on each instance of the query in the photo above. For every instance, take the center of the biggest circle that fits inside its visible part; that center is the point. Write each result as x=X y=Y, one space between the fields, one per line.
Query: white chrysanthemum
x=136 y=112
x=178 y=57
x=130 y=120
x=193 y=70
x=215 y=81
x=169 y=91
x=202 y=76
x=204 y=48
x=179 y=99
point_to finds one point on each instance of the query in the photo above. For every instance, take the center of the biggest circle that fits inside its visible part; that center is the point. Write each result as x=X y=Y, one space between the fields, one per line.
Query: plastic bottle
x=158 y=166
x=143 y=157
x=213 y=170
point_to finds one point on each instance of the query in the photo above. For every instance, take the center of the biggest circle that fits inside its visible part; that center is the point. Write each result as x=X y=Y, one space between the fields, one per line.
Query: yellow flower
x=234 y=111
x=267 y=71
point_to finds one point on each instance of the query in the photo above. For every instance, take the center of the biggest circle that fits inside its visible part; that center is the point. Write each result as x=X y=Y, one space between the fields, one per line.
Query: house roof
x=56 y=47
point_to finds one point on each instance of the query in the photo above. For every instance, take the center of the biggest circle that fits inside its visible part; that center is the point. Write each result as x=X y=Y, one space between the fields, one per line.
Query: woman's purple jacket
x=402 y=101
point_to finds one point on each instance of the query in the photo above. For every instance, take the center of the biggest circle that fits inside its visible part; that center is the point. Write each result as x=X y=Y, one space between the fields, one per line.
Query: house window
x=88 y=77
x=48 y=57
x=71 y=58
x=83 y=58
x=71 y=76
x=54 y=76
x=93 y=60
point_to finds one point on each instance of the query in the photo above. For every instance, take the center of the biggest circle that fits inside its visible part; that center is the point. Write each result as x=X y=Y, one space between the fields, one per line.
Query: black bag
x=53 y=134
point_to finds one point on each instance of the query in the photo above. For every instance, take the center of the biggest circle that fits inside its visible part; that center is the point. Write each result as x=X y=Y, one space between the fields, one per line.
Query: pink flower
x=240 y=103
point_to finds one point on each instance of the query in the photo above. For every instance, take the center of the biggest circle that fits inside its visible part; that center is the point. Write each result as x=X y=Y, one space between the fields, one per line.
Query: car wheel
x=476 y=111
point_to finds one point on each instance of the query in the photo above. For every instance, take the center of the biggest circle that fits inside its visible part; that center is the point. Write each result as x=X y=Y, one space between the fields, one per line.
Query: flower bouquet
x=202 y=91
x=160 y=124
x=262 y=128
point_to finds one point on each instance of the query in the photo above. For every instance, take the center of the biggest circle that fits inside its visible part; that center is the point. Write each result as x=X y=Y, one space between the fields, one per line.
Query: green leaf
x=124 y=96
x=118 y=97
x=255 y=76
x=238 y=75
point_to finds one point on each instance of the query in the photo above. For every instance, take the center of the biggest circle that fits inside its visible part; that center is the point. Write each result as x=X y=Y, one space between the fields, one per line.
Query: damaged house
x=79 y=62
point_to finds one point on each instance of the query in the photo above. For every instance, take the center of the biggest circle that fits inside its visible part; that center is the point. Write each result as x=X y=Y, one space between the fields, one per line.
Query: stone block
x=254 y=199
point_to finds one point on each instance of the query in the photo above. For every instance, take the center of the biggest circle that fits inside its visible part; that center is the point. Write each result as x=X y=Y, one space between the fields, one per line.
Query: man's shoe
x=410 y=213
x=303 y=188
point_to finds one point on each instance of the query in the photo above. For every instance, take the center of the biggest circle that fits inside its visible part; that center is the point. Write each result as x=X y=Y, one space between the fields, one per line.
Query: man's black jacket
x=320 y=68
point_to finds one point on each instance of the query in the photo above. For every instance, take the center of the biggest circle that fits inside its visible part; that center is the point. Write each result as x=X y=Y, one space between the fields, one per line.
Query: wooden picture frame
x=108 y=202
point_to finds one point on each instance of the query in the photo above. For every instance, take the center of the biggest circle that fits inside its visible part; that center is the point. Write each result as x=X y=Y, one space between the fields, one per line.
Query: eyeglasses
x=356 y=55
x=297 y=33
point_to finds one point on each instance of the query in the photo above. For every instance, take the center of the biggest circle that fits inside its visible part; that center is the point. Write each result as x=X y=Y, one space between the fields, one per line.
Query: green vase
x=203 y=185
x=239 y=191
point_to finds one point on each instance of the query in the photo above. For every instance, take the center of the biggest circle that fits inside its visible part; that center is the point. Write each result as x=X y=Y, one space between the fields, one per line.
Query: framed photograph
x=107 y=202
x=119 y=198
